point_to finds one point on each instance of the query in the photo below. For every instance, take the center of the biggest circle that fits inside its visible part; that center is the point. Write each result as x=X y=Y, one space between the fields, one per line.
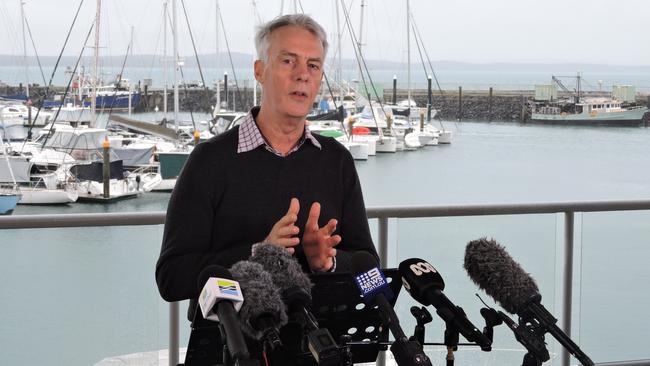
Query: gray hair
x=299 y=20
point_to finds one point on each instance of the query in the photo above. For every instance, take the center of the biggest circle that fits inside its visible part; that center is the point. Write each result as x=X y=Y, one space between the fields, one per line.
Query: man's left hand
x=318 y=242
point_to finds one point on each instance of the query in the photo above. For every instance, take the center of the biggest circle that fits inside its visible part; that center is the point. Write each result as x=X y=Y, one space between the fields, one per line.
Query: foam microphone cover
x=489 y=265
x=284 y=269
x=260 y=297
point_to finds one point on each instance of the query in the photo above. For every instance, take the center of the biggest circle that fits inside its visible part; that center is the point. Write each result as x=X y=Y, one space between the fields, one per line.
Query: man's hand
x=318 y=243
x=283 y=233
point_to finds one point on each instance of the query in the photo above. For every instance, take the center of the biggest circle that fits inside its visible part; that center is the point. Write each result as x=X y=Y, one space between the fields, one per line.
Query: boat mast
x=338 y=38
x=217 y=106
x=408 y=53
x=176 y=61
x=256 y=16
x=165 y=60
x=93 y=96
x=359 y=44
x=22 y=17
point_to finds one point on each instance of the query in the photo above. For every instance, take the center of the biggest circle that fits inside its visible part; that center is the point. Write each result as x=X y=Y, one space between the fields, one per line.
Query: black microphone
x=263 y=312
x=425 y=285
x=374 y=288
x=295 y=288
x=221 y=294
x=489 y=265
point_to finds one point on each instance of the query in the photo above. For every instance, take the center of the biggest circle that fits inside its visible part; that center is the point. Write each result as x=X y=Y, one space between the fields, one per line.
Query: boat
x=35 y=188
x=114 y=96
x=618 y=109
x=8 y=202
x=590 y=112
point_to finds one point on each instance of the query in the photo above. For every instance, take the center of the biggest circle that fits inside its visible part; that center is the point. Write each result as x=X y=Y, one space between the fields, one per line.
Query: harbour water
x=77 y=296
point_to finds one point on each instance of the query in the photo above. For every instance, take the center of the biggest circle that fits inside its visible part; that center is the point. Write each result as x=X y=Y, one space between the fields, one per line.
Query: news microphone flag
x=218 y=289
x=372 y=283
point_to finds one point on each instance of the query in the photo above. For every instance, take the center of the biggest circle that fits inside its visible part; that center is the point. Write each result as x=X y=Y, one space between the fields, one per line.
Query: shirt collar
x=251 y=138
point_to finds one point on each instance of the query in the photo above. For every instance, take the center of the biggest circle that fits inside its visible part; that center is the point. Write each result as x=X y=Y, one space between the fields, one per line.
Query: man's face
x=291 y=78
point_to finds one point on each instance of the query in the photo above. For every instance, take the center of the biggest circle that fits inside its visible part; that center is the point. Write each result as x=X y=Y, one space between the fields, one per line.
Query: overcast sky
x=546 y=31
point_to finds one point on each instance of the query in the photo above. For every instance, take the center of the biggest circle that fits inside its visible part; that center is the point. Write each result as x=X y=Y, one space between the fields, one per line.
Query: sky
x=511 y=31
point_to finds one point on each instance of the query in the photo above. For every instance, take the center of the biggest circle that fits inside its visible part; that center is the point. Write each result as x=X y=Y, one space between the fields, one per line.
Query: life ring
x=593 y=113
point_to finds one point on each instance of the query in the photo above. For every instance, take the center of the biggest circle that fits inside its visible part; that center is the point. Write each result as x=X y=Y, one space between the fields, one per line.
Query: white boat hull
x=39 y=196
x=444 y=137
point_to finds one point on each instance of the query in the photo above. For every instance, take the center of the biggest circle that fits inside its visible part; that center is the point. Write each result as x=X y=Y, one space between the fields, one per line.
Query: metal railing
x=382 y=214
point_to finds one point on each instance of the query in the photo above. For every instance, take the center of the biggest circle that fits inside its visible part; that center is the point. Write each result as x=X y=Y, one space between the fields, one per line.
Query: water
x=470 y=77
x=76 y=296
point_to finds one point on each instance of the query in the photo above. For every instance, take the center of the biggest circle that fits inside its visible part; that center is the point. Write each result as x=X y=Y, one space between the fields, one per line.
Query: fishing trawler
x=619 y=109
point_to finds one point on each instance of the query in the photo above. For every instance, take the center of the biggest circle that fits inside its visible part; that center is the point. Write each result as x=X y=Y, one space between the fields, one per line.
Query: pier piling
x=460 y=103
x=490 y=106
x=106 y=178
x=429 y=99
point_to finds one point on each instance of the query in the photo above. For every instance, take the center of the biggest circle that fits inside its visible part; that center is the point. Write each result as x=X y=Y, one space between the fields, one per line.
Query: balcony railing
x=382 y=214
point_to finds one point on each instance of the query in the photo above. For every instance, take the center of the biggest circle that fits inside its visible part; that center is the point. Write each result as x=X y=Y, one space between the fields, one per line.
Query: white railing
x=382 y=214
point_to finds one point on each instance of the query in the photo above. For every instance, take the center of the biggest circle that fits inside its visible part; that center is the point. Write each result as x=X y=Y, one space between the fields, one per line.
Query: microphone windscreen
x=212 y=270
x=489 y=265
x=260 y=297
x=284 y=269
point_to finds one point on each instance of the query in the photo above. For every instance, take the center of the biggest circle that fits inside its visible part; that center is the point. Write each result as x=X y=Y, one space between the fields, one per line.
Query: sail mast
x=408 y=52
x=217 y=106
x=93 y=96
x=165 y=60
x=176 y=61
x=22 y=17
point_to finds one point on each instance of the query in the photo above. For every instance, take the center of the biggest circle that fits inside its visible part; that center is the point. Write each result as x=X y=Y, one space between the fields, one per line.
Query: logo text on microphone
x=422 y=267
x=370 y=281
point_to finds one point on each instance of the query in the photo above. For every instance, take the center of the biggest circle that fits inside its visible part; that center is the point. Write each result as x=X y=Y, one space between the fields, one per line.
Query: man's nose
x=301 y=72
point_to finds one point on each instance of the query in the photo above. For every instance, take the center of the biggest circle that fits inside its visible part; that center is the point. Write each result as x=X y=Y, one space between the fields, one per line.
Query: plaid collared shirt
x=251 y=138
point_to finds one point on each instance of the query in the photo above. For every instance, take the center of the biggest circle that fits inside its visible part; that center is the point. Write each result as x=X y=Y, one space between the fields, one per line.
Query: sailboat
x=9 y=196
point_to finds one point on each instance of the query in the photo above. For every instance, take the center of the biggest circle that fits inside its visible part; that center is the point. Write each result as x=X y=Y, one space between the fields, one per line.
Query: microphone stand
x=451 y=341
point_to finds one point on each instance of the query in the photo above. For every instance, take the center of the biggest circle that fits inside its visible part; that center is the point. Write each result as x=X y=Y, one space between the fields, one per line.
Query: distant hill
x=244 y=60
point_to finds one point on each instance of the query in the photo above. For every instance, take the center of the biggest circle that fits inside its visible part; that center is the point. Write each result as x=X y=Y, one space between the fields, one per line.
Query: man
x=269 y=180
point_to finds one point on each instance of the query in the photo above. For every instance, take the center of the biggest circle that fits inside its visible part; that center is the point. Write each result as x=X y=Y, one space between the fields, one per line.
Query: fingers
x=330 y=227
x=294 y=207
x=312 y=219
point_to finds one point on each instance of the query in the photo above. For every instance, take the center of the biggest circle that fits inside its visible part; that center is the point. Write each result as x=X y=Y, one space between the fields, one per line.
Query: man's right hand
x=283 y=233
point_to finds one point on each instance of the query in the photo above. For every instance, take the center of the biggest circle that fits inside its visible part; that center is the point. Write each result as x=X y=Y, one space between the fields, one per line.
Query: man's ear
x=258 y=68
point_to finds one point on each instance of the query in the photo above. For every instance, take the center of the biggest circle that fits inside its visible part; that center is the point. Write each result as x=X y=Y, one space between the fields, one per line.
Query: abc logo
x=422 y=267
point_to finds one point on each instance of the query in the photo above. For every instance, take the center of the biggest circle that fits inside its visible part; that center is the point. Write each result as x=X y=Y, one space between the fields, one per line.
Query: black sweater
x=224 y=202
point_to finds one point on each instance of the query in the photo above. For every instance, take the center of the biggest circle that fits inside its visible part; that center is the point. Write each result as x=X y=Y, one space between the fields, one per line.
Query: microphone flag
x=219 y=289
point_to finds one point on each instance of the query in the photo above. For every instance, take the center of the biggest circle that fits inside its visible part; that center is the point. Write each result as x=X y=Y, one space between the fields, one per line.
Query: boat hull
x=7 y=203
x=628 y=118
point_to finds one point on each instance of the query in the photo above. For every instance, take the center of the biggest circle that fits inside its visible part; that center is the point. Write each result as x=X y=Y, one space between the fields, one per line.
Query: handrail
x=158 y=217
x=382 y=214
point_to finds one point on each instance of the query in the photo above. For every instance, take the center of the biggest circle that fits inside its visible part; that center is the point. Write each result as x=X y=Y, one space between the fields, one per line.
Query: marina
x=534 y=138
x=475 y=170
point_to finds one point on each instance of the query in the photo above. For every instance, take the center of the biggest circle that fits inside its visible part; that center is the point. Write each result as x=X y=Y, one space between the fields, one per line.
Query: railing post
x=383 y=241
x=383 y=258
x=567 y=277
x=173 y=333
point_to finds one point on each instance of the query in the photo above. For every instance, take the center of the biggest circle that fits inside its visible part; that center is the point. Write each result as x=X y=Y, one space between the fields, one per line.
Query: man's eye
x=315 y=67
x=287 y=61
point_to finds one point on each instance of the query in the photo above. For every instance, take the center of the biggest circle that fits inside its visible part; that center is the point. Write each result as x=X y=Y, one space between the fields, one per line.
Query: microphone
x=489 y=265
x=220 y=300
x=287 y=275
x=375 y=291
x=263 y=312
x=295 y=289
x=425 y=285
